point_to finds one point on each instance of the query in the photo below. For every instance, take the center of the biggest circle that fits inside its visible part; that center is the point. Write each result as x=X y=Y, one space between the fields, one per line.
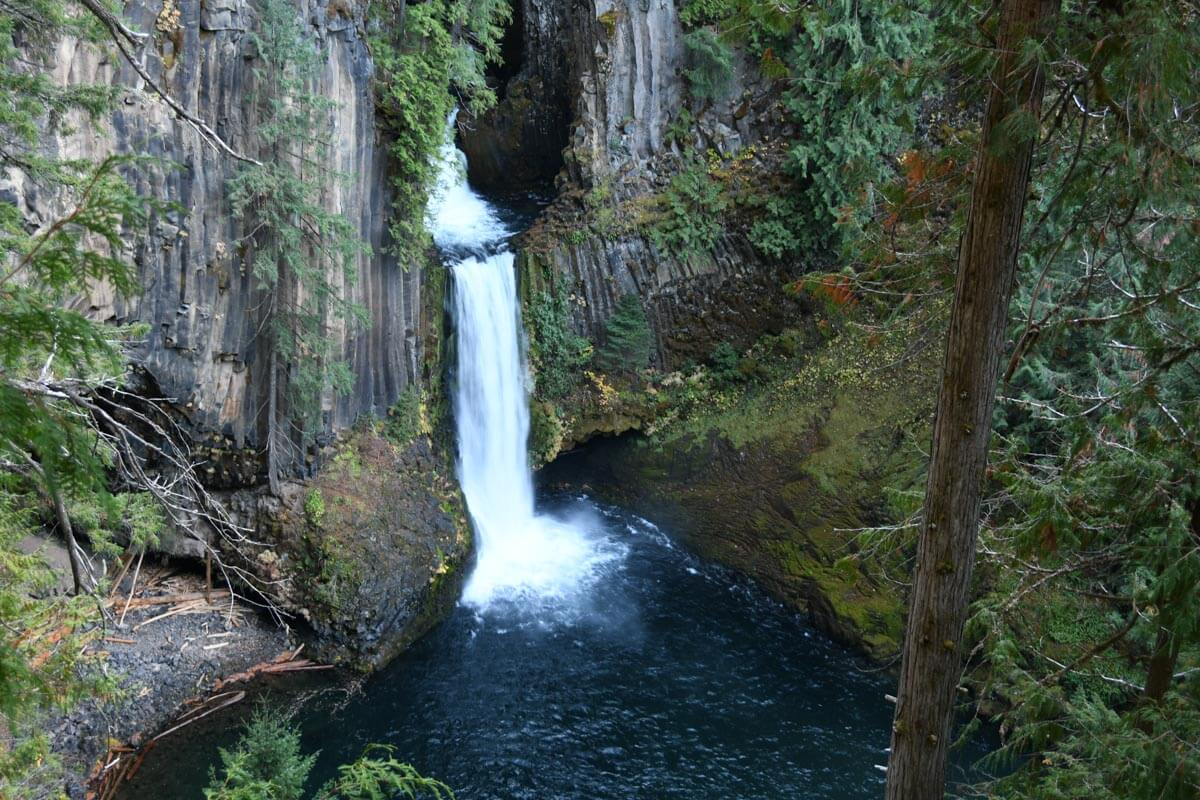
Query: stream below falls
x=589 y=656
x=670 y=678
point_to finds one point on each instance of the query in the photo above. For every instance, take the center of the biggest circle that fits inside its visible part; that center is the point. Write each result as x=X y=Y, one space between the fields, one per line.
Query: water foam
x=523 y=558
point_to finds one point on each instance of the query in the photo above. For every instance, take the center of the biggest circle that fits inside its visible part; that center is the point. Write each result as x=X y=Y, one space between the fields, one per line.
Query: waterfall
x=522 y=556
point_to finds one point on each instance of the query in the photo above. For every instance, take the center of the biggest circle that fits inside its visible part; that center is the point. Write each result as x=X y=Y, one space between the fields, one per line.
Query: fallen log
x=171 y=599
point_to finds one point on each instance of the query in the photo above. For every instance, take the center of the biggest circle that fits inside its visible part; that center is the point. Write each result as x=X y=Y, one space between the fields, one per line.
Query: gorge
x=540 y=398
x=589 y=655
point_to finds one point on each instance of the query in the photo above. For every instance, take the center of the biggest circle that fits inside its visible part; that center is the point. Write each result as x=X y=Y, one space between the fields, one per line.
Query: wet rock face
x=519 y=143
x=613 y=71
x=200 y=300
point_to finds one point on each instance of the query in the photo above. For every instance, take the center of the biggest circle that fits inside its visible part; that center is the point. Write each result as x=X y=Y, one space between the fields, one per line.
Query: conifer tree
x=268 y=763
x=301 y=253
x=1086 y=626
x=628 y=342
x=932 y=656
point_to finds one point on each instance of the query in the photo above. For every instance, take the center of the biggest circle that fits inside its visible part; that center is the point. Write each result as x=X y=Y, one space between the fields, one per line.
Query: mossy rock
x=373 y=550
x=776 y=479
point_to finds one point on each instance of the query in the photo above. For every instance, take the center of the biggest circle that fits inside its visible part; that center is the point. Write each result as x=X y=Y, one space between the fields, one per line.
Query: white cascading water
x=521 y=555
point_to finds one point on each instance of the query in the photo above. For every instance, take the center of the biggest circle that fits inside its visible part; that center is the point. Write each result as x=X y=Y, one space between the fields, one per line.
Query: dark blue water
x=665 y=678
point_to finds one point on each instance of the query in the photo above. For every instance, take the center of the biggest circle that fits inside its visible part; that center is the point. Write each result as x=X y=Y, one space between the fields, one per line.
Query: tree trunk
x=932 y=664
x=273 y=421
x=1161 y=671
x=64 y=522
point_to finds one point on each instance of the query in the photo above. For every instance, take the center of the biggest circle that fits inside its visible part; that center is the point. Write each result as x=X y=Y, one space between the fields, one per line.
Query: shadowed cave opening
x=512 y=54
x=517 y=146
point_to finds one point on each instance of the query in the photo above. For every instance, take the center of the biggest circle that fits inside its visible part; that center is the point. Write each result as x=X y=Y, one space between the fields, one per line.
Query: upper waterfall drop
x=459 y=220
x=522 y=556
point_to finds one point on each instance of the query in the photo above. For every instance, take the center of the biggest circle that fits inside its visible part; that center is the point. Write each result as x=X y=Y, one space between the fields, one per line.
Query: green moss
x=314 y=507
x=609 y=20
x=782 y=473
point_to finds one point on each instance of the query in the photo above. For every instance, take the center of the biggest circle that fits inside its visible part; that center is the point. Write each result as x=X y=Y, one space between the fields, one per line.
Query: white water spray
x=522 y=556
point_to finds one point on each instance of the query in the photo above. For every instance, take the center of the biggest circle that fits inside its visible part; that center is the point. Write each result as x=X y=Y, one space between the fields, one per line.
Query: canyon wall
x=613 y=73
x=204 y=350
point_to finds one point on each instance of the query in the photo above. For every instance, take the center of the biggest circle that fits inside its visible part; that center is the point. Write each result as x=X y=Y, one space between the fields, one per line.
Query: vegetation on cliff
x=106 y=467
x=429 y=57
x=301 y=253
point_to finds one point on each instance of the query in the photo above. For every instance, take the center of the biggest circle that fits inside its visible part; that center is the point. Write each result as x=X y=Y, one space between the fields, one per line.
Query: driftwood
x=173 y=599
x=122 y=761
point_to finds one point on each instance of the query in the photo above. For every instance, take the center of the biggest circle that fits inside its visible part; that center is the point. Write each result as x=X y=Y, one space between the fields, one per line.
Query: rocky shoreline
x=364 y=559
x=172 y=648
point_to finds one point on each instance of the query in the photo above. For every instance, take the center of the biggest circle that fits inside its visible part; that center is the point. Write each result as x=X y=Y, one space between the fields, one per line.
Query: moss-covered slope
x=775 y=476
x=371 y=552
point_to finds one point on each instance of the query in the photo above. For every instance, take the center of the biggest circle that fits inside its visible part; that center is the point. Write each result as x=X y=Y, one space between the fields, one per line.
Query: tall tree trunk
x=932 y=664
x=273 y=421
x=1161 y=671
x=50 y=484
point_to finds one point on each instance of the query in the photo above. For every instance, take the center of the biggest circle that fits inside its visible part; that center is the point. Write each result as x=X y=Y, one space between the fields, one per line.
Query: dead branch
x=118 y=417
x=171 y=599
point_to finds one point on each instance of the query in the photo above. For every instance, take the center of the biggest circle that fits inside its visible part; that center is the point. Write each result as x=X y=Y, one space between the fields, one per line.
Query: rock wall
x=369 y=554
x=592 y=100
x=729 y=294
x=199 y=298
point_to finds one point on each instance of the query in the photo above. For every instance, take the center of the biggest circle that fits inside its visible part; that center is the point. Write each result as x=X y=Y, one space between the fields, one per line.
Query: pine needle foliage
x=628 y=342
x=848 y=78
x=710 y=65
x=268 y=763
x=51 y=455
x=1100 y=425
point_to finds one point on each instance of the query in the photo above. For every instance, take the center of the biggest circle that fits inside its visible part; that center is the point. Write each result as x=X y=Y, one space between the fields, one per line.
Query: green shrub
x=693 y=13
x=267 y=763
x=405 y=420
x=710 y=65
x=724 y=361
x=314 y=507
x=628 y=342
x=694 y=207
x=777 y=233
x=557 y=353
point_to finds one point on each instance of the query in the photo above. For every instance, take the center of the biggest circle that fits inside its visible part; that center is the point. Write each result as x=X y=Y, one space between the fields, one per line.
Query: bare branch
x=124 y=39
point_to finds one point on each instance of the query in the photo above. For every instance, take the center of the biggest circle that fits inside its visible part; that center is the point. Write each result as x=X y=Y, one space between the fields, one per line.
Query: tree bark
x=932 y=662
x=273 y=421
x=1161 y=670
x=64 y=522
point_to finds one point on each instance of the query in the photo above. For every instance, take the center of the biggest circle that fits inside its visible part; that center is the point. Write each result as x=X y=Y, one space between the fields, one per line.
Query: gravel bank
x=163 y=655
